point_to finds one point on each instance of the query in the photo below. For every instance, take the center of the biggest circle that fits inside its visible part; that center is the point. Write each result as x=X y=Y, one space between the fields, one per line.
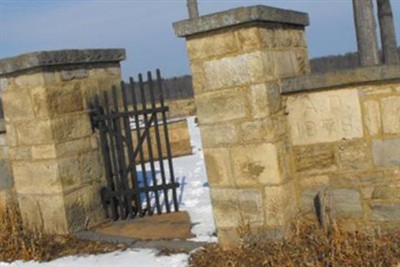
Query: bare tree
x=388 y=35
x=193 y=9
x=366 y=32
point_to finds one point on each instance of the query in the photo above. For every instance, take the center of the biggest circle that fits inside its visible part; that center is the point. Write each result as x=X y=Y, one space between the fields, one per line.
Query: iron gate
x=136 y=150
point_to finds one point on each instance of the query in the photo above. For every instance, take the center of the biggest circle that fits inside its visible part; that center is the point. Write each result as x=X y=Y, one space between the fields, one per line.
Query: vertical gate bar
x=106 y=157
x=147 y=124
x=123 y=174
x=158 y=140
x=167 y=143
x=139 y=146
x=110 y=125
x=132 y=165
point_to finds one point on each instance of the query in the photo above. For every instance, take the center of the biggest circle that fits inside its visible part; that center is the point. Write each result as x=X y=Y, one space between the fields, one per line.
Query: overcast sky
x=144 y=28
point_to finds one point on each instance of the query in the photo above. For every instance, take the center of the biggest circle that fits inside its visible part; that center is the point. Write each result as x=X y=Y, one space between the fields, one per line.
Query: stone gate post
x=237 y=58
x=54 y=154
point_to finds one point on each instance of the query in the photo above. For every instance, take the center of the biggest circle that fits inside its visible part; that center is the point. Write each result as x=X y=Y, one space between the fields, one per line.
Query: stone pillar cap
x=60 y=57
x=237 y=16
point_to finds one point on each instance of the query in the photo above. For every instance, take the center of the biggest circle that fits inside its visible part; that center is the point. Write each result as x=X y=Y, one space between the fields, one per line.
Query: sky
x=144 y=28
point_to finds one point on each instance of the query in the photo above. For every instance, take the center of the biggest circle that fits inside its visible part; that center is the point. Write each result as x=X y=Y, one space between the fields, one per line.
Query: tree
x=366 y=32
x=388 y=35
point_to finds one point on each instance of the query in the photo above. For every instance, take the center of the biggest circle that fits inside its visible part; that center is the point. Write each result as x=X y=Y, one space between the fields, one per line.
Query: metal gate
x=136 y=150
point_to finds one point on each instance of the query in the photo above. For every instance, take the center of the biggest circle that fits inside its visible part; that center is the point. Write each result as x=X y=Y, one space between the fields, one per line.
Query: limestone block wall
x=53 y=151
x=344 y=134
x=6 y=179
x=237 y=58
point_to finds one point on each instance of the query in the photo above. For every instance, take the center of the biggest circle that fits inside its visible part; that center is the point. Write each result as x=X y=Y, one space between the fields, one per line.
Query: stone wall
x=53 y=151
x=344 y=134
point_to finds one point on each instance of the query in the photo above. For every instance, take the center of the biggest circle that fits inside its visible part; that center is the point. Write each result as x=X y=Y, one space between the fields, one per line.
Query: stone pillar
x=237 y=58
x=54 y=153
x=6 y=179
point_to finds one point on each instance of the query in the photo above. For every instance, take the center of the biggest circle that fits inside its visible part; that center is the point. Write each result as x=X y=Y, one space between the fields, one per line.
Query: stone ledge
x=60 y=57
x=340 y=78
x=241 y=15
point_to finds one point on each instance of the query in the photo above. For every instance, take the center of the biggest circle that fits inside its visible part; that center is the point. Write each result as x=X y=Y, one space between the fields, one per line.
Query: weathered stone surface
x=219 y=170
x=67 y=75
x=12 y=138
x=220 y=134
x=255 y=67
x=372 y=117
x=256 y=164
x=28 y=80
x=36 y=177
x=198 y=79
x=17 y=105
x=279 y=205
x=347 y=203
x=265 y=100
x=317 y=158
x=60 y=57
x=6 y=178
x=221 y=106
x=359 y=179
x=248 y=39
x=386 y=153
x=34 y=132
x=44 y=152
x=307 y=200
x=20 y=153
x=354 y=155
x=238 y=16
x=391 y=114
x=258 y=130
x=324 y=117
x=74 y=147
x=313 y=181
x=386 y=192
x=232 y=207
x=65 y=99
x=220 y=44
x=341 y=78
x=286 y=63
x=71 y=127
x=40 y=103
x=44 y=213
x=385 y=211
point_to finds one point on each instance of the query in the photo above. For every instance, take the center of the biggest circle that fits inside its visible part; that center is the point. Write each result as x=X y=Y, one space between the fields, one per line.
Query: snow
x=193 y=197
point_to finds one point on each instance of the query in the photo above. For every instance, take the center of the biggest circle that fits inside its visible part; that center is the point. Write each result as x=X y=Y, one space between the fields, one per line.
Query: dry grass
x=309 y=247
x=19 y=244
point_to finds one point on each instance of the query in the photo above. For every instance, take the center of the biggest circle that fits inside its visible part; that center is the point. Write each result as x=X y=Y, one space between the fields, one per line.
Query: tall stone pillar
x=54 y=153
x=237 y=58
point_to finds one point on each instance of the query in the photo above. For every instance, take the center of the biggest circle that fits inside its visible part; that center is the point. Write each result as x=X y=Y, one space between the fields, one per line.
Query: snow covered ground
x=194 y=198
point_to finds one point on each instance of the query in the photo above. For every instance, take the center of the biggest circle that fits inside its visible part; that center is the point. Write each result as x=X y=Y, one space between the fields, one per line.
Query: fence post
x=237 y=58
x=54 y=153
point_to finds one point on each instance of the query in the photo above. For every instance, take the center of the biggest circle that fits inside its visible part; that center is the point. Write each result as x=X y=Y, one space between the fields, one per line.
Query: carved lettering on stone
x=324 y=117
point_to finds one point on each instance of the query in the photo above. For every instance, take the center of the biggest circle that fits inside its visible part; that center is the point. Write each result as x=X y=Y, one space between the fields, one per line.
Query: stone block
x=6 y=177
x=44 y=152
x=83 y=207
x=17 y=105
x=385 y=211
x=65 y=99
x=279 y=205
x=347 y=203
x=36 y=177
x=221 y=106
x=313 y=181
x=219 y=134
x=372 y=117
x=386 y=153
x=74 y=147
x=219 y=44
x=34 y=132
x=40 y=103
x=258 y=130
x=29 y=80
x=71 y=127
x=286 y=64
x=315 y=159
x=198 y=79
x=218 y=165
x=391 y=114
x=233 y=207
x=386 y=192
x=20 y=153
x=327 y=116
x=248 y=39
x=307 y=200
x=354 y=155
x=359 y=179
x=256 y=164
x=12 y=139
x=265 y=100
x=236 y=71
x=44 y=213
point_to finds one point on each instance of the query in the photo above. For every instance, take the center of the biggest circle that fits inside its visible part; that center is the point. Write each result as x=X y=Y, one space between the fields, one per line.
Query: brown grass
x=309 y=247
x=19 y=244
